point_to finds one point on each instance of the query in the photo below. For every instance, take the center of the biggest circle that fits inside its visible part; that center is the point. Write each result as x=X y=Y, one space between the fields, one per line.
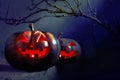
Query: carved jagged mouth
x=38 y=50
x=67 y=51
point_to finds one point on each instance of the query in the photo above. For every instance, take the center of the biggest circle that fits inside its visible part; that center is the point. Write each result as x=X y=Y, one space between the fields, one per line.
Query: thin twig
x=55 y=11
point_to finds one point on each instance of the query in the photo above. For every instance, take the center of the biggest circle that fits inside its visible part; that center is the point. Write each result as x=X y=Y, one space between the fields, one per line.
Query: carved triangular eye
x=72 y=43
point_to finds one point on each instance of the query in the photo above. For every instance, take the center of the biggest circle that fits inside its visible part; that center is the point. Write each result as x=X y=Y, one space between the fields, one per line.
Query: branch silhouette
x=52 y=9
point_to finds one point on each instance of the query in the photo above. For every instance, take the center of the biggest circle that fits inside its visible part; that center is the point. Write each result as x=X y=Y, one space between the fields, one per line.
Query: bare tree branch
x=57 y=11
x=90 y=8
x=54 y=10
x=34 y=5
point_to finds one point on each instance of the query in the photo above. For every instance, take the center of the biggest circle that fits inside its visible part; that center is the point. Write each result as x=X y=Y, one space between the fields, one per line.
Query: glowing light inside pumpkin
x=68 y=52
x=32 y=44
x=32 y=55
x=60 y=56
x=68 y=55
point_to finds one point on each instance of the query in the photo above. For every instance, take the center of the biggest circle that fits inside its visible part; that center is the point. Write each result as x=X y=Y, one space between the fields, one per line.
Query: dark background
x=100 y=49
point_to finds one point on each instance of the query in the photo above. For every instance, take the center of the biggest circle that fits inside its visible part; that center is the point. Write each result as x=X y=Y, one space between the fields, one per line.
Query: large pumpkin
x=32 y=50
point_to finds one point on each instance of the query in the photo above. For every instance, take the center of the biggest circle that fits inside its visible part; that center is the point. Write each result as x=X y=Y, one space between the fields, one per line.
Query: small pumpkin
x=70 y=51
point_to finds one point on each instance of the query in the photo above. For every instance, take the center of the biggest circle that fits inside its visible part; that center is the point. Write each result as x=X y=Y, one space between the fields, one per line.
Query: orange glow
x=26 y=46
x=41 y=54
x=60 y=56
x=68 y=55
x=32 y=55
x=24 y=37
x=72 y=44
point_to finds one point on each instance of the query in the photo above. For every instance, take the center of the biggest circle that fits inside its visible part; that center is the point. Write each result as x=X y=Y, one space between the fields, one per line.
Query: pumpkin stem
x=31 y=26
x=59 y=35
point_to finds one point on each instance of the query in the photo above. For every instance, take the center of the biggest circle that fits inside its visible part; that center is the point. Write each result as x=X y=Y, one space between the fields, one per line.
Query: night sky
x=100 y=57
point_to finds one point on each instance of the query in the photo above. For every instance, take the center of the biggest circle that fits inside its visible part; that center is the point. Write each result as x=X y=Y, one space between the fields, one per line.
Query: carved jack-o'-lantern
x=70 y=50
x=32 y=50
